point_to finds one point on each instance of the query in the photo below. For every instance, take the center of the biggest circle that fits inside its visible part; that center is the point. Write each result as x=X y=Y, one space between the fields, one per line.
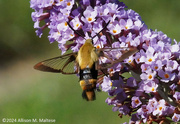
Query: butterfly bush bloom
x=151 y=92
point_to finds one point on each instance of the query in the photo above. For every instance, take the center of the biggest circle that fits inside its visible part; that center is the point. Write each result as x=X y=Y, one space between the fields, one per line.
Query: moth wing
x=105 y=52
x=126 y=54
x=64 y=64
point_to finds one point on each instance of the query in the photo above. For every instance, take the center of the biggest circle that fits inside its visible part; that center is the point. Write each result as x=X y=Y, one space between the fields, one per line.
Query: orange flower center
x=150 y=77
x=160 y=108
x=166 y=76
x=89 y=19
x=98 y=47
x=129 y=61
x=114 y=31
x=77 y=25
x=152 y=89
x=65 y=24
x=137 y=101
x=155 y=67
x=150 y=60
x=68 y=4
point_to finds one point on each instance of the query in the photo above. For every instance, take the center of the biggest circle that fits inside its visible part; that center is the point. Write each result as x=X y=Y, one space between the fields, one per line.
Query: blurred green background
x=27 y=93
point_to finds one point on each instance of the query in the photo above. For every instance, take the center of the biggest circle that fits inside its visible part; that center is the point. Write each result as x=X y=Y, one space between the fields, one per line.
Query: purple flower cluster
x=151 y=91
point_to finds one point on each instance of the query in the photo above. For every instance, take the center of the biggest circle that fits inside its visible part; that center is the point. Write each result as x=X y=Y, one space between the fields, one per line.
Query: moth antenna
x=101 y=29
x=83 y=36
x=75 y=31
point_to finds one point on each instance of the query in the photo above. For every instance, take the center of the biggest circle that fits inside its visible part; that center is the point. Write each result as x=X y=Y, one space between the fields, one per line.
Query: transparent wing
x=110 y=60
x=62 y=64
x=114 y=55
